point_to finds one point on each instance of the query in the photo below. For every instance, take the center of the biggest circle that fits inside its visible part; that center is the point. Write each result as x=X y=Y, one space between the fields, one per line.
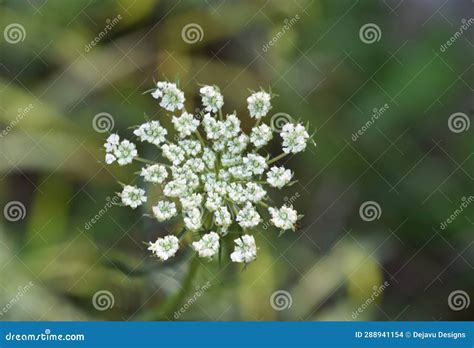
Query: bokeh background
x=414 y=162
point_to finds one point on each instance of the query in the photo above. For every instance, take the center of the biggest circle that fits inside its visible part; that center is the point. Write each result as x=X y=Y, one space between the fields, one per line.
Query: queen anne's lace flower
x=278 y=176
x=164 y=210
x=165 y=247
x=255 y=163
x=151 y=132
x=172 y=98
x=294 y=138
x=223 y=217
x=209 y=158
x=241 y=172
x=192 y=201
x=216 y=181
x=193 y=219
x=261 y=135
x=255 y=192
x=185 y=124
x=190 y=147
x=211 y=98
x=259 y=104
x=121 y=151
x=110 y=146
x=175 y=188
x=125 y=152
x=237 y=193
x=284 y=218
x=245 y=249
x=214 y=201
x=111 y=142
x=212 y=127
x=133 y=196
x=173 y=153
x=248 y=216
x=155 y=173
x=208 y=245
x=231 y=127
x=237 y=145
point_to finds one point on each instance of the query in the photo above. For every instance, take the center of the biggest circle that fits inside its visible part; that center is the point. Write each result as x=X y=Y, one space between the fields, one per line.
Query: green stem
x=200 y=138
x=279 y=157
x=221 y=117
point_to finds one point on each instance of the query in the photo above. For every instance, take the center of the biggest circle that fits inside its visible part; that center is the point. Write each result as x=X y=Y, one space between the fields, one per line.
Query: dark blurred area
x=387 y=193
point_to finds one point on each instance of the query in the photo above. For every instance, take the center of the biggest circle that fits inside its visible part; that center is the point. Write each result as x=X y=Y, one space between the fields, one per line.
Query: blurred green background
x=409 y=161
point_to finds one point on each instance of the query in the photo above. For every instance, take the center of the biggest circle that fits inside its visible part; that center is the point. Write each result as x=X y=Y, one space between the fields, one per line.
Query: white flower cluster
x=216 y=179
x=121 y=151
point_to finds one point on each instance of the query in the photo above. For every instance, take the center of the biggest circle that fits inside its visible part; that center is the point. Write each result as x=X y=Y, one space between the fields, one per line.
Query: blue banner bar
x=236 y=334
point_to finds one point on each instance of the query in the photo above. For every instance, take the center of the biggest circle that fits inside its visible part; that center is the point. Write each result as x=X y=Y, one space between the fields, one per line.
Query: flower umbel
x=165 y=247
x=216 y=176
x=245 y=249
x=208 y=245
